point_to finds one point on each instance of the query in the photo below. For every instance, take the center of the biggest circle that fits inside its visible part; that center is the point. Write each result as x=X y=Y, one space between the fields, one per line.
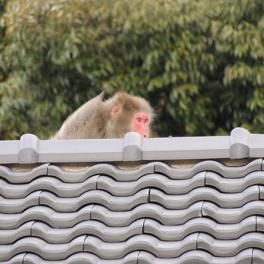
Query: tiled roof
x=157 y=213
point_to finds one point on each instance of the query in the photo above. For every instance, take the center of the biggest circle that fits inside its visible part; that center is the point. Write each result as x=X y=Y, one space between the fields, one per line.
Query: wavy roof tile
x=152 y=212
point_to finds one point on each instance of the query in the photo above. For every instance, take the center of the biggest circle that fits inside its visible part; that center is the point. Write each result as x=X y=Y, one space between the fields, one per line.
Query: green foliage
x=2 y=33
x=200 y=63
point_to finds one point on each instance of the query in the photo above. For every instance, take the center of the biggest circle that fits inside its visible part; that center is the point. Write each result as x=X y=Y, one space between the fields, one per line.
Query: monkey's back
x=82 y=122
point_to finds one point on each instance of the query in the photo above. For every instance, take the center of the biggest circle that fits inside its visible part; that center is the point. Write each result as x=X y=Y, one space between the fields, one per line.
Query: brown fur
x=94 y=119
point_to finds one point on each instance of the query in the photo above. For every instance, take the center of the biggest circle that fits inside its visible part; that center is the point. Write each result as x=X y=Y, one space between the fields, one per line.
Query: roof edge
x=30 y=149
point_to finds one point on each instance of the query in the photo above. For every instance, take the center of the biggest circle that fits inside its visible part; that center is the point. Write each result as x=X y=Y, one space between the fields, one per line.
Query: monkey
x=111 y=118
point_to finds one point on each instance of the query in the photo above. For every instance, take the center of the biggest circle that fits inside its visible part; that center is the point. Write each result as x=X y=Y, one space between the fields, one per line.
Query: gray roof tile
x=209 y=213
x=150 y=210
x=232 y=215
x=223 y=200
x=209 y=165
x=204 y=225
x=198 y=257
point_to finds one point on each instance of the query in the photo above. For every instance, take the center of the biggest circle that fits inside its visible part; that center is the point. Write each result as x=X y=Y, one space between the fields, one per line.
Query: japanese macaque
x=111 y=118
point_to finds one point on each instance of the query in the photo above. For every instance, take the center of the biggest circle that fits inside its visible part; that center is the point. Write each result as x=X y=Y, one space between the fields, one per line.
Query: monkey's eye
x=139 y=119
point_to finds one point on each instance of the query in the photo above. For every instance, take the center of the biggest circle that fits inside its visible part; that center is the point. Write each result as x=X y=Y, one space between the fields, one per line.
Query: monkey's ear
x=116 y=109
x=102 y=95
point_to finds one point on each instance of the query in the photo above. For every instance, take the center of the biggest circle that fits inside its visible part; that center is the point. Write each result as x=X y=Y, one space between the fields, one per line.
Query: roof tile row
x=209 y=213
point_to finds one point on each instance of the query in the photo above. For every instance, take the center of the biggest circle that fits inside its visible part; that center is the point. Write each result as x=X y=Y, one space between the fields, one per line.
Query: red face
x=140 y=123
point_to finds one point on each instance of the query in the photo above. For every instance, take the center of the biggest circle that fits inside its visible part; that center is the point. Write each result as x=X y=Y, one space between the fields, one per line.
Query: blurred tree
x=200 y=63
x=238 y=33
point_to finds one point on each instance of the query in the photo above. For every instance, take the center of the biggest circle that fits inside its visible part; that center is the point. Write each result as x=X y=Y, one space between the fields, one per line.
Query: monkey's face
x=140 y=123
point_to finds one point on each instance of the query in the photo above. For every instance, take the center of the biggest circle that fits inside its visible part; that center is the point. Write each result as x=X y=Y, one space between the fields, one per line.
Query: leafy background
x=199 y=62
